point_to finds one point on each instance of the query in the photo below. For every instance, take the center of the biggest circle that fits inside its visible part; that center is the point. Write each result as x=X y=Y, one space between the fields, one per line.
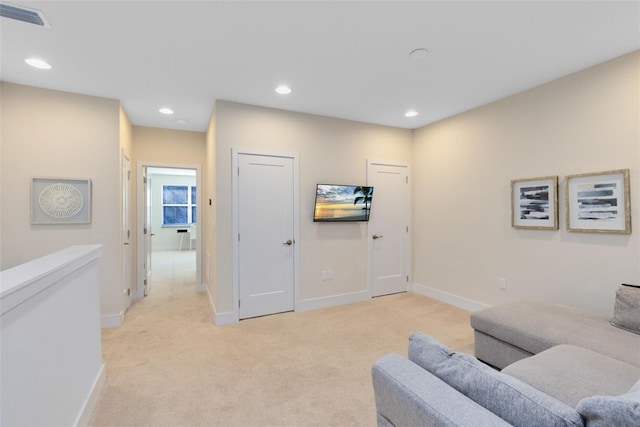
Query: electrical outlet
x=327 y=275
x=502 y=283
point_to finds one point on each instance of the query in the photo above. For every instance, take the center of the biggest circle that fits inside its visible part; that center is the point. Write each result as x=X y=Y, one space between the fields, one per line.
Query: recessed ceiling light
x=411 y=113
x=182 y=121
x=166 y=110
x=419 y=53
x=283 y=90
x=38 y=63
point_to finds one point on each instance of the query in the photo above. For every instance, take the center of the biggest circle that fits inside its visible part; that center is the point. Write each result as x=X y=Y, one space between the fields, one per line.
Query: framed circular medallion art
x=60 y=201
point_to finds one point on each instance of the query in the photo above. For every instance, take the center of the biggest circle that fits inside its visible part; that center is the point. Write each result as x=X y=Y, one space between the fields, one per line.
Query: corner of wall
x=112 y=320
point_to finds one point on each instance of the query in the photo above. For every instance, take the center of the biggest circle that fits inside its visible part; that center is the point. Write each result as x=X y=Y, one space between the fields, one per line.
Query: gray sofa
x=562 y=367
x=507 y=333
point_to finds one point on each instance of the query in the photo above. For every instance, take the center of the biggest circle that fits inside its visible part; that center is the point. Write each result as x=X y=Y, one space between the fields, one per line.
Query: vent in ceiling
x=25 y=15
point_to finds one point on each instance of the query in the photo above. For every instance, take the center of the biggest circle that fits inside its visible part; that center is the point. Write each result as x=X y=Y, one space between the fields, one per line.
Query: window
x=178 y=204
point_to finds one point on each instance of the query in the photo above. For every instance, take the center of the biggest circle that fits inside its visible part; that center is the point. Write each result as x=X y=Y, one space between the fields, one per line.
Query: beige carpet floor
x=168 y=365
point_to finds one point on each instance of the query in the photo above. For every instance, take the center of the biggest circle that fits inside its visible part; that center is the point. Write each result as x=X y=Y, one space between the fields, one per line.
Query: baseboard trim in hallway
x=169 y=365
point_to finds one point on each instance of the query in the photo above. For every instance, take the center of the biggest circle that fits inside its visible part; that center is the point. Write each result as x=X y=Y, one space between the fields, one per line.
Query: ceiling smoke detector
x=420 y=53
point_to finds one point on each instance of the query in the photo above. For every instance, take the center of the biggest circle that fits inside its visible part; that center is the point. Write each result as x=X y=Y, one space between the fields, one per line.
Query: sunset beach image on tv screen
x=342 y=203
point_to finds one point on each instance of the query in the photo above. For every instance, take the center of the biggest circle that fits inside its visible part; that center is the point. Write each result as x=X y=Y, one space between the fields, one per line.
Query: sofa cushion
x=522 y=324
x=495 y=352
x=626 y=310
x=609 y=340
x=619 y=411
x=571 y=373
x=512 y=400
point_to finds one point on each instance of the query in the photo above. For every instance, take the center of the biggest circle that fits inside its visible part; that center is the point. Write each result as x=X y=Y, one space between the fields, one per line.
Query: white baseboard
x=229 y=317
x=200 y=288
x=220 y=319
x=92 y=399
x=448 y=298
x=331 y=301
x=225 y=318
x=112 y=320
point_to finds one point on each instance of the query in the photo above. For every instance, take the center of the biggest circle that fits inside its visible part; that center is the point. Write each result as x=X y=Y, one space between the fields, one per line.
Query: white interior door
x=389 y=228
x=266 y=235
x=126 y=232
x=148 y=231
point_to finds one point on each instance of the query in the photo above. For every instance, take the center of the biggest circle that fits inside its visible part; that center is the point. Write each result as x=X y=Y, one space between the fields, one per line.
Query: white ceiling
x=345 y=59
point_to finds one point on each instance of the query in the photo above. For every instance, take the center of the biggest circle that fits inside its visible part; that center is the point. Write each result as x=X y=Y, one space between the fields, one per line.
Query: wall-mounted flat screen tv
x=336 y=203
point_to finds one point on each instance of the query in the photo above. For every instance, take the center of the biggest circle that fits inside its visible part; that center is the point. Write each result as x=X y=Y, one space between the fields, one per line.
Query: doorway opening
x=169 y=249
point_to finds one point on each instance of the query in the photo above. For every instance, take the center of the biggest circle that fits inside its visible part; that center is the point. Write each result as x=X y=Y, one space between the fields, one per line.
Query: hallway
x=173 y=274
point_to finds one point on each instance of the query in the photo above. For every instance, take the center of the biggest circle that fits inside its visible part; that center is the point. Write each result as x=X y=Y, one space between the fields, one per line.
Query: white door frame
x=141 y=210
x=370 y=239
x=125 y=231
x=235 y=153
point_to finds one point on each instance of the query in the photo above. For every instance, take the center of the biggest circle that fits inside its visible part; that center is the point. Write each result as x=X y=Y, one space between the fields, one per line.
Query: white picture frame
x=60 y=201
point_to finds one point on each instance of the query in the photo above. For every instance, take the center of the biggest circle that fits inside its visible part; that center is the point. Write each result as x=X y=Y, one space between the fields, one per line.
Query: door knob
x=289 y=242
x=376 y=237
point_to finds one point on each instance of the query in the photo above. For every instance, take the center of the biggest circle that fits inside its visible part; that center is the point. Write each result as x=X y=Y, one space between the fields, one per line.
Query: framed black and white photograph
x=534 y=203
x=60 y=201
x=598 y=202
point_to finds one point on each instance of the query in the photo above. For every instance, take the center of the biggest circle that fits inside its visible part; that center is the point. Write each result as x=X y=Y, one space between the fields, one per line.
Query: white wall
x=47 y=133
x=166 y=238
x=463 y=240
x=331 y=151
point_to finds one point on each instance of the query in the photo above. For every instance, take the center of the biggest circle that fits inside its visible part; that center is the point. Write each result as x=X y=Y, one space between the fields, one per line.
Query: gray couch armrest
x=407 y=395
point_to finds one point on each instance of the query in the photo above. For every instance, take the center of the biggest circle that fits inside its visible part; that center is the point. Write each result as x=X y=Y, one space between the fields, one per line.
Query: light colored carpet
x=168 y=365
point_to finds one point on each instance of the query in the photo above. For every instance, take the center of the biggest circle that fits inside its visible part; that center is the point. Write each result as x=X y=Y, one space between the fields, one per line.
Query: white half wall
x=51 y=364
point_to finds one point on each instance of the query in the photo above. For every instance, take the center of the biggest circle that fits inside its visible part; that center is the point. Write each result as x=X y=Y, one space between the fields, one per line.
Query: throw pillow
x=619 y=411
x=511 y=399
x=626 y=311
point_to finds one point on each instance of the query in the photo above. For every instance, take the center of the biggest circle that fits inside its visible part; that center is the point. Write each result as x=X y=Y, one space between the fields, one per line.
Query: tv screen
x=336 y=203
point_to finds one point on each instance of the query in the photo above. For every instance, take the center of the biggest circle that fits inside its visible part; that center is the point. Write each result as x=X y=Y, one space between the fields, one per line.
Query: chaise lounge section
x=507 y=333
x=561 y=366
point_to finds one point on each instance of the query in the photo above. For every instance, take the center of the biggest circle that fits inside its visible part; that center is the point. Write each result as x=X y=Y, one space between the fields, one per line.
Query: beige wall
x=209 y=226
x=126 y=133
x=126 y=151
x=463 y=240
x=330 y=151
x=55 y=134
x=168 y=145
x=462 y=167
